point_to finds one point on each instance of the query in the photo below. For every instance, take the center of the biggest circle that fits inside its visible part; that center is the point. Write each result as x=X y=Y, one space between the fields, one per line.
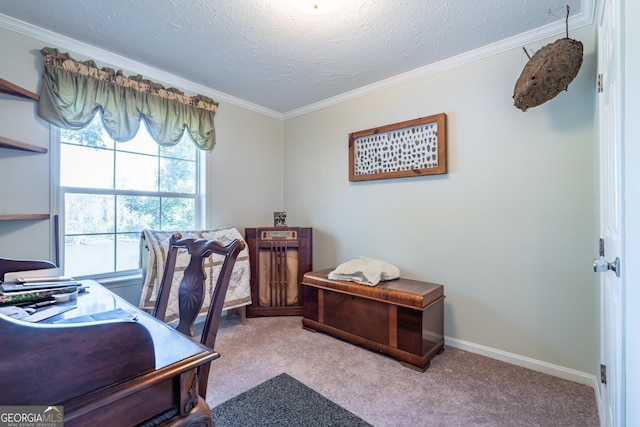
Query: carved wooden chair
x=9 y=265
x=191 y=292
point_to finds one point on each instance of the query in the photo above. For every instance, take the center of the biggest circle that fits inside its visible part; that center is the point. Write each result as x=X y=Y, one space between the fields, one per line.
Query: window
x=111 y=191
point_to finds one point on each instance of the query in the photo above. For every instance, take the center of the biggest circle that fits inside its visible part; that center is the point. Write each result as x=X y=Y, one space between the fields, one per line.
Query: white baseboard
x=599 y=405
x=526 y=362
x=533 y=364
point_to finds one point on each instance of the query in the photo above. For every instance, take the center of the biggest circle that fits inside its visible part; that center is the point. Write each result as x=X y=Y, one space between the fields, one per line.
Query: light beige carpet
x=459 y=389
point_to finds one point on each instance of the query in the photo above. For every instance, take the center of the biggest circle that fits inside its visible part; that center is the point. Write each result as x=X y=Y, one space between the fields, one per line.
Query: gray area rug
x=282 y=401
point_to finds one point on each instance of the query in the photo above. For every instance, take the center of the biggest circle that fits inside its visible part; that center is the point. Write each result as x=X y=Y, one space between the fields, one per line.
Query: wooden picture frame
x=415 y=147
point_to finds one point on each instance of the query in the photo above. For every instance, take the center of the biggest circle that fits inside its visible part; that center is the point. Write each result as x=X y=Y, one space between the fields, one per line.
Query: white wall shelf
x=14 y=90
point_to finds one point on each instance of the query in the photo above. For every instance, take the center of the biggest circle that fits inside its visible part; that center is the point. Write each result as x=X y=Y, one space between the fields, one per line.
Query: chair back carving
x=191 y=292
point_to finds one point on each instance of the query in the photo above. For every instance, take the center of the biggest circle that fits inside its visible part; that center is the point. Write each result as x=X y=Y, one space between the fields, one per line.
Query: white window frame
x=57 y=207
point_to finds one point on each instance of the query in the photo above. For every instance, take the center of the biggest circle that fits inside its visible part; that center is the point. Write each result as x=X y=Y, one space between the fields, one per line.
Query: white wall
x=244 y=171
x=509 y=230
x=24 y=182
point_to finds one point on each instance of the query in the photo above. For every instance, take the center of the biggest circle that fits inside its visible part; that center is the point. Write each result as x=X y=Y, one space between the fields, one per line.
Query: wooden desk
x=104 y=373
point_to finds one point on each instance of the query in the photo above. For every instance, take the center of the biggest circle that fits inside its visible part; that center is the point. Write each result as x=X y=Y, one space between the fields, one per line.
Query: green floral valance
x=72 y=92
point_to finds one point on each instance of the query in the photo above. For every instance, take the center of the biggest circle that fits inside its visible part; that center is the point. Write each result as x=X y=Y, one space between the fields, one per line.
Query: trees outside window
x=111 y=191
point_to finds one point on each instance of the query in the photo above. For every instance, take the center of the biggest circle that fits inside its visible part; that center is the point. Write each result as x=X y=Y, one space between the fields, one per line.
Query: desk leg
x=188 y=392
x=200 y=416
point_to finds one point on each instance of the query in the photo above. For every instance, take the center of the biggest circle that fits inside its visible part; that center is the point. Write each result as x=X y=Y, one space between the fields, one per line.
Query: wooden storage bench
x=402 y=318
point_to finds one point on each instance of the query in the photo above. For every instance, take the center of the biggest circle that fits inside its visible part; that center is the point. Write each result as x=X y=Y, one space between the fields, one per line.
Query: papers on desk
x=19 y=297
x=117 y=314
x=14 y=312
x=46 y=313
x=41 y=314
x=25 y=287
x=43 y=279
x=19 y=287
x=44 y=274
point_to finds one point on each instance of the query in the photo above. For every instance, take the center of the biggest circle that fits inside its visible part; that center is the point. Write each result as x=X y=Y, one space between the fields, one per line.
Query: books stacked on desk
x=39 y=275
x=35 y=291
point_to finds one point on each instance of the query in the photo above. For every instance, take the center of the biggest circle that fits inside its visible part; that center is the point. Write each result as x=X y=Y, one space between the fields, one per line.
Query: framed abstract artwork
x=415 y=147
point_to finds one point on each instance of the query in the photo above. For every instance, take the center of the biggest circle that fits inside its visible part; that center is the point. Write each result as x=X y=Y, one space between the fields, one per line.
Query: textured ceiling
x=269 y=53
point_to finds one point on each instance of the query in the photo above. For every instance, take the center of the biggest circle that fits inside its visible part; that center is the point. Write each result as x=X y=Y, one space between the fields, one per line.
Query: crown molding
x=113 y=60
x=584 y=18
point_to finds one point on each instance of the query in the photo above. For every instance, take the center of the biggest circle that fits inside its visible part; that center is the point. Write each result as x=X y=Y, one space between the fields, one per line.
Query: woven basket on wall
x=548 y=73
